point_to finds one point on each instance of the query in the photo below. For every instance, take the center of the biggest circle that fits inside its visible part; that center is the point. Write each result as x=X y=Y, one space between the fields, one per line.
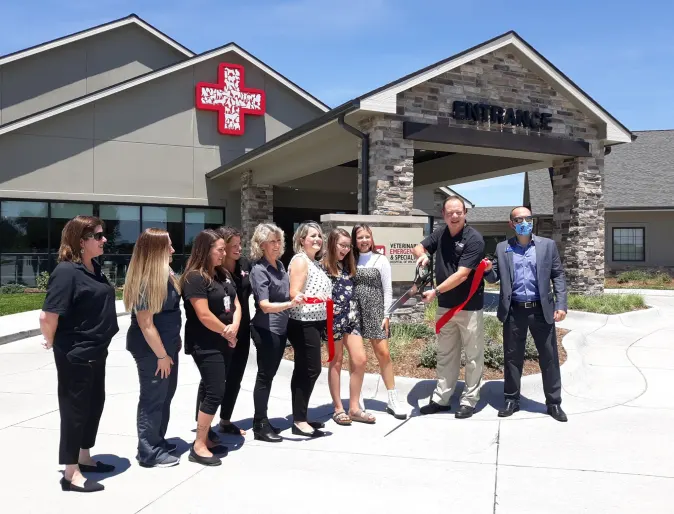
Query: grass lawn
x=607 y=303
x=22 y=302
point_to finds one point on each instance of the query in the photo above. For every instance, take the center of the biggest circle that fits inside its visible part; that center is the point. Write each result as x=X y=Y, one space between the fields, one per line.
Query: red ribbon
x=477 y=280
x=329 y=307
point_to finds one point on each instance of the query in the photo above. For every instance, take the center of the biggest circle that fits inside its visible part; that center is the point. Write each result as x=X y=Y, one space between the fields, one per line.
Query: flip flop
x=341 y=418
x=362 y=416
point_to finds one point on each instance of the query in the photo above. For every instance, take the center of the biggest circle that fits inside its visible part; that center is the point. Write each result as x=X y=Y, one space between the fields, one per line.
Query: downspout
x=364 y=163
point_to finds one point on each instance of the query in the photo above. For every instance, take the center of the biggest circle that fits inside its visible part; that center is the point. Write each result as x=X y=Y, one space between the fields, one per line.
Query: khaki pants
x=467 y=328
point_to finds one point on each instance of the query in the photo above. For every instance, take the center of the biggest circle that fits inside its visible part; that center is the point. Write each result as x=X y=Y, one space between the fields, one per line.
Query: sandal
x=362 y=416
x=341 y=418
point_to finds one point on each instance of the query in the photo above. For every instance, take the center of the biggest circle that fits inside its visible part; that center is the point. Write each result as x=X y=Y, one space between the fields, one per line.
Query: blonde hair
x=261 y=235
x=78 y=228
x=302 y=232
x=149 y=271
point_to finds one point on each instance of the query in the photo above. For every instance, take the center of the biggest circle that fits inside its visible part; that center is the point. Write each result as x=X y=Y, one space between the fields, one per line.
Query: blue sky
x=619 y=52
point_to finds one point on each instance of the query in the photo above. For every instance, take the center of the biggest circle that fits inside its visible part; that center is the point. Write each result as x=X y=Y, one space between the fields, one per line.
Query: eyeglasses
x=520 y=219
x=97 y=236
x=344 y=247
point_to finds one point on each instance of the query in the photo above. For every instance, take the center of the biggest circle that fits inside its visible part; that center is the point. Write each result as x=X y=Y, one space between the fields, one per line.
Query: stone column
x=257 y=206
x=578 y=220
x=391 y=174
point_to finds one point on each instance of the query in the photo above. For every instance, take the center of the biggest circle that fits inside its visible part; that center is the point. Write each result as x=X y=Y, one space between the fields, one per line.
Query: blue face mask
x=524 y=229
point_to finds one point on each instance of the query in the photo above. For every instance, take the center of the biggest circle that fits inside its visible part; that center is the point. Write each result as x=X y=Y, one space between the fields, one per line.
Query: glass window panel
x=628 y=244
x=167 y=218
x=197 y=220
x=61 y=213
x=23 y=268
x=122 y=227
x=23 y=227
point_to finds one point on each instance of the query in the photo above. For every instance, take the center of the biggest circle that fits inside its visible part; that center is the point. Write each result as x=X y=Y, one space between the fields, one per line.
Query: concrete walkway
x=614 y=455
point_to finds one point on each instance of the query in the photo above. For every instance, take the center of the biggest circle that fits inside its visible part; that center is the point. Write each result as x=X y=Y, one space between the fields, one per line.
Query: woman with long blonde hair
x=212 y=318
x=152 y=295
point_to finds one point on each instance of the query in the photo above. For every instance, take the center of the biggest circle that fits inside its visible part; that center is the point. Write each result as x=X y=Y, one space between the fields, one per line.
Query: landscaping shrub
x=404 y=333
x=12 y=289
x=431 y=310
x=429 y=355
x=42 y=280
x=606 y=303
x=635 y=275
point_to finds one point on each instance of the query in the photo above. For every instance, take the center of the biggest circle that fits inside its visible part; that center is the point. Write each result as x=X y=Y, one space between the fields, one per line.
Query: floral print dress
x=346 y=318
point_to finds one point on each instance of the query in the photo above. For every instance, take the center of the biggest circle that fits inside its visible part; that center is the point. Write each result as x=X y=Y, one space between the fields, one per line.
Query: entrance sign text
x=230 y=99
x=497 y=114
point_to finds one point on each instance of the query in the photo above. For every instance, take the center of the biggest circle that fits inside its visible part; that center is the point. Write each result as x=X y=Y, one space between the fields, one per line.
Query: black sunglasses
x=520 y=219
x=97 y=236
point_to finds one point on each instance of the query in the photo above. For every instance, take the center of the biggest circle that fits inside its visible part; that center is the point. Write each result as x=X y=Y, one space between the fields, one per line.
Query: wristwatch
x=437 y=291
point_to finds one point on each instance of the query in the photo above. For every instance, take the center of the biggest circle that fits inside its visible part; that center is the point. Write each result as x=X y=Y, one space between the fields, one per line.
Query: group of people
x=79 y=320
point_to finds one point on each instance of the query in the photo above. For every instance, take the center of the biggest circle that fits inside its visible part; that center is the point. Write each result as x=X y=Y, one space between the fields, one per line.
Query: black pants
x=514 y=339
x=305 y=337
x=81 y=395
x=235 y=370
x=213 y=369
x=154 y=407
x=270 y=348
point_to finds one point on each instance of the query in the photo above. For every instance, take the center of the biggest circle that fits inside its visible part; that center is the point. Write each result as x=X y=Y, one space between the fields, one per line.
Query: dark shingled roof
x=636 y=175
x=488 y=214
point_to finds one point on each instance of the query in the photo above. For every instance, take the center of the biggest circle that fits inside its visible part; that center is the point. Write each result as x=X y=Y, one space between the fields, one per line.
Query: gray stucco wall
x=50 y=78
x=144 y=145
x=659 y=246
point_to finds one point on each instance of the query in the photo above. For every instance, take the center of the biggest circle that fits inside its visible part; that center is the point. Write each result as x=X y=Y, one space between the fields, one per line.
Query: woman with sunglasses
x=78 y=320
x=340 y=266
x=374 y=294
x=212 y=315
x=152 y=295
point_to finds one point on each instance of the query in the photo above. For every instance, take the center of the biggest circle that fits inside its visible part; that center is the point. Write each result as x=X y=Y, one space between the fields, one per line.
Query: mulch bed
x=407 y=363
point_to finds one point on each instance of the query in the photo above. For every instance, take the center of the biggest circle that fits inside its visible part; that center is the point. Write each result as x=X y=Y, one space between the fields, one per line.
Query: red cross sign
x=230 y=99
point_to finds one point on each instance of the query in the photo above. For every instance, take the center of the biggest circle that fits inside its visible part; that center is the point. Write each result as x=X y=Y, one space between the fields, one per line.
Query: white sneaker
x=394 y=408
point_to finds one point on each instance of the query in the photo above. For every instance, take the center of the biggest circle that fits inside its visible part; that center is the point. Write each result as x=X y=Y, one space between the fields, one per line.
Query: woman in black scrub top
x=152 y=295
x=239 y=267
x=79 y=320
x=213 y=315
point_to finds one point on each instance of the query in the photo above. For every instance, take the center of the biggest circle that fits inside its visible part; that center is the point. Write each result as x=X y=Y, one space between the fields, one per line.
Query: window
x=167 y=218
x=628 y=244
x=197 y=220
x=122 y=227
x=62 y=213
x=24 y=241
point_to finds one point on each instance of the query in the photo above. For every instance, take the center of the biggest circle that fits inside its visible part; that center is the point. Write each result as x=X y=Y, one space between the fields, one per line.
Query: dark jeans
x=235 y=371
x=514 y=339
x=81 y=396
x=154 y=407
x=269 y=347
x=213 y=369
x=305 y=337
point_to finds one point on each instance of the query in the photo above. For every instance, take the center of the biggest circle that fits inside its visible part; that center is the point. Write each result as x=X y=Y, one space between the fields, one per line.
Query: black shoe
x=205 y=461
x=98 y=468
x=316 y=424
x=89 y=486
x=465 y=411
x=511 y=407
x=229 y=428
x=433 y=407
x=313 y=433
x=556 y=412
x=265 y=432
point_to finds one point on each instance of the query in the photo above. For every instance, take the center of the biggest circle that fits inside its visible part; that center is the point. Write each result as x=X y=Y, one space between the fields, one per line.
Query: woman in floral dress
x=340 y=266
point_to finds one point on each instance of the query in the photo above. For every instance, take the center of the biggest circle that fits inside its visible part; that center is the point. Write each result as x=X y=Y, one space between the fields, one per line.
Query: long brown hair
x=78 y=228
x=330 y=258
x=199 y=258
x=354 y=239
x=149 y=271
x=227 y=233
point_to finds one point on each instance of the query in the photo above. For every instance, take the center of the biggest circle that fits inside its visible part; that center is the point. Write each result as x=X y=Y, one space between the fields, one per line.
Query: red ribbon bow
x=329 y=307
x=477 y=280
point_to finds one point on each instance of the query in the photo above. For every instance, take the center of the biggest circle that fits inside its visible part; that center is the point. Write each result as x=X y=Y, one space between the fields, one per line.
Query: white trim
x=386 y=101
x=92 y=32
x=155 y=75
x=644 y=209
x=450 y=192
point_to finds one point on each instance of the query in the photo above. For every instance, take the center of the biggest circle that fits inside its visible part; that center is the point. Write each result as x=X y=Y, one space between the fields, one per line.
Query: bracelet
x=162 y=358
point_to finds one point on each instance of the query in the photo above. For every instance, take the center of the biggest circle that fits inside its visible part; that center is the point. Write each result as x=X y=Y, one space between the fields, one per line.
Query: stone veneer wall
x=391 y=173
x=543 y=226
x=578 y=220
x=257 y=206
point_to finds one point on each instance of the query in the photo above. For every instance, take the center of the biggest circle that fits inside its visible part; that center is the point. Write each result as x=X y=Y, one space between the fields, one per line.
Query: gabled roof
x=384 y=99
x=55 y=43
x=636 y=176
x=489 y=214
x=155 y=74
x=450 y=192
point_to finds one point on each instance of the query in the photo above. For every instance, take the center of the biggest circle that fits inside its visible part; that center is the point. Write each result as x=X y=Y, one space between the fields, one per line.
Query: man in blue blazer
x=526 y=265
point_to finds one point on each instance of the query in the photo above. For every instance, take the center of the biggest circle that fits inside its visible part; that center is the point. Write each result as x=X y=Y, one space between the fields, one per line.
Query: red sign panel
x=380 y=249
x=230 y=99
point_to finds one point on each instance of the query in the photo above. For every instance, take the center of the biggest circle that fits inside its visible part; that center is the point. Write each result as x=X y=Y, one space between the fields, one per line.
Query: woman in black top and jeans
x=79 y=320
x=213 y=315
x=152 y=295
x=239 y=267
